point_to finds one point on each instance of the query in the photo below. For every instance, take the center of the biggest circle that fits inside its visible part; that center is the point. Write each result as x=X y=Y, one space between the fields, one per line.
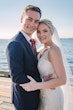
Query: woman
x=49 y=61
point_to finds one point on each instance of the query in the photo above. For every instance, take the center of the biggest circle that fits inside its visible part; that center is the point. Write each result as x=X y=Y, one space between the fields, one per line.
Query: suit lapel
x=27 y=45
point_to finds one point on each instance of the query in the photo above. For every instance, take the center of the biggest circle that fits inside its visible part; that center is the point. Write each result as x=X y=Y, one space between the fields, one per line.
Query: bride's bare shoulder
x=55 y=50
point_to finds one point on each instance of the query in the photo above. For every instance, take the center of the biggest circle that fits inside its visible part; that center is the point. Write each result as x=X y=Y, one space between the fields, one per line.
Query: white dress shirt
x=26 y=36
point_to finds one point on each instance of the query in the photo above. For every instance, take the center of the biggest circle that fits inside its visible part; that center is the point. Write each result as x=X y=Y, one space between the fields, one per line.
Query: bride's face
x=44 y=33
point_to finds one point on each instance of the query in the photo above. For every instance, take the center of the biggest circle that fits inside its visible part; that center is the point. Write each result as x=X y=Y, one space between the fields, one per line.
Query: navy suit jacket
x=22 y=62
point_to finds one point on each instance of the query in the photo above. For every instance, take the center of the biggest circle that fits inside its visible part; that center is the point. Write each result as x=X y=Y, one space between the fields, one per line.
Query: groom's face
x=30 y=22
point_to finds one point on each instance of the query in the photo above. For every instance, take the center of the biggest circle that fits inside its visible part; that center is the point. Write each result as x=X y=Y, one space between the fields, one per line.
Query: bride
x=55 y=94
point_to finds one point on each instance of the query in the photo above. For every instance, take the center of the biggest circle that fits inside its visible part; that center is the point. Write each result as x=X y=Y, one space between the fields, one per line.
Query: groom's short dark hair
x=33 y=8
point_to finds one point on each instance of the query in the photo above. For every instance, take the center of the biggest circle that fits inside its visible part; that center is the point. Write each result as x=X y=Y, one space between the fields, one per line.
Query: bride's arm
x=57 y=62
x=34 y=85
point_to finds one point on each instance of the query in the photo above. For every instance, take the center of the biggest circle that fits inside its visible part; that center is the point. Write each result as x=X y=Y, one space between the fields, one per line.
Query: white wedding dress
x=50 y=99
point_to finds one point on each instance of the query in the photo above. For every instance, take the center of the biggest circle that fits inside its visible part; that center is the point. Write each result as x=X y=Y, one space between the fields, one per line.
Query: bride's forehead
x=43 y=26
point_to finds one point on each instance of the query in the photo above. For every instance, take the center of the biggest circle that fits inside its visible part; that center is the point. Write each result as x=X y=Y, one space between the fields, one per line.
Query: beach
x=5 y=91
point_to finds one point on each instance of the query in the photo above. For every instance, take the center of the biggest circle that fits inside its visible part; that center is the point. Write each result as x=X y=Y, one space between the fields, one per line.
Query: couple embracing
x=36 y=78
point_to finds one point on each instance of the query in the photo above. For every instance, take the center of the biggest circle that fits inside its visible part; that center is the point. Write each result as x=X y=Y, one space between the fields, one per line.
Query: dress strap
x=42 y=52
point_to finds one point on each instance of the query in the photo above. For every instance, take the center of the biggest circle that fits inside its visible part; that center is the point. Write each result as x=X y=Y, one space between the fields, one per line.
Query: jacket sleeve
x=15 y=61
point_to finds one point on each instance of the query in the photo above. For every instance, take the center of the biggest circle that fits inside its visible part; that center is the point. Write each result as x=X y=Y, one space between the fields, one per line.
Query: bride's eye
x=38 y=32
x=45 y=31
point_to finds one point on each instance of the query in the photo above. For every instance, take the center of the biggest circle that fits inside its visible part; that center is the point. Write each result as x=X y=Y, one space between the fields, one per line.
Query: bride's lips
x=42 y=39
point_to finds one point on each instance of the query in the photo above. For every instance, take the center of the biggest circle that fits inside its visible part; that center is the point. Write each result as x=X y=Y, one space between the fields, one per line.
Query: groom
x=23 y=62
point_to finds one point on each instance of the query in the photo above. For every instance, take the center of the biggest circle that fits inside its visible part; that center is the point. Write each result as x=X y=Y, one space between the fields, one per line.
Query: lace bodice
x=44 y=65
x=50 y=99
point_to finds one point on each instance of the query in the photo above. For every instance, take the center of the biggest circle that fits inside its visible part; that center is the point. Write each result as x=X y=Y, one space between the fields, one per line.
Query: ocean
x=66 y=43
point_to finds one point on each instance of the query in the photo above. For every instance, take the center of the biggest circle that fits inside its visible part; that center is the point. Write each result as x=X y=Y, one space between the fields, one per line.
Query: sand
x=5 y=91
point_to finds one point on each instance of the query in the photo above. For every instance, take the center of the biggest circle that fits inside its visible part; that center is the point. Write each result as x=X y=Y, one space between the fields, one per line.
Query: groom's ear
x=21 y=19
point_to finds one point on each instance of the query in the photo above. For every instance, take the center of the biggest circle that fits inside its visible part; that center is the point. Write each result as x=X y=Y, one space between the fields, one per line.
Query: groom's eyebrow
x=37 y=20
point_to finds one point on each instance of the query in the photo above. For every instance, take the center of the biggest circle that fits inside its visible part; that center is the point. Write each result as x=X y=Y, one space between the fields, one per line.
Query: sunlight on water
x=66 y=43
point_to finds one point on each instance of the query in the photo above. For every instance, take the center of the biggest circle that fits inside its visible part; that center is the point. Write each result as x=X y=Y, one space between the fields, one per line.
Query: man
x=22 y=61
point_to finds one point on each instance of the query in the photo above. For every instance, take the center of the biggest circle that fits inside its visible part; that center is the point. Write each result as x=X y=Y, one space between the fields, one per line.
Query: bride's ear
x=51 y=33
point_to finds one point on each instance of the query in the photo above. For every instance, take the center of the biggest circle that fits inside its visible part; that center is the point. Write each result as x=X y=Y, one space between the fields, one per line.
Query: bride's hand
x=30 y=86
x=48 y=77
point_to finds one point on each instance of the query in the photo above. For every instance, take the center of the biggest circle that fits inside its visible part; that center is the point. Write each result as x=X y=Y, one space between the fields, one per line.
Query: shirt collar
x=26 y=36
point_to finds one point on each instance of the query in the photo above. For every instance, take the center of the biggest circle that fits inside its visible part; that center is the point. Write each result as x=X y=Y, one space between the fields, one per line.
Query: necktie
x=33 y=45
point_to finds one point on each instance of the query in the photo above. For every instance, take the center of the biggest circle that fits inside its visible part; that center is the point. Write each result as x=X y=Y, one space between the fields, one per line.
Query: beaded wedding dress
x=50 y=99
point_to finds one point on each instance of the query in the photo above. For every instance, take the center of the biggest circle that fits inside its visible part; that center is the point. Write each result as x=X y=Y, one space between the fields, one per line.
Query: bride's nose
x=41 y=34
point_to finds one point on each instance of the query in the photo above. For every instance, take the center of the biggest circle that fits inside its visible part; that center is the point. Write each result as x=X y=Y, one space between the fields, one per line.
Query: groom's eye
x=37 y=21
x=29 y=19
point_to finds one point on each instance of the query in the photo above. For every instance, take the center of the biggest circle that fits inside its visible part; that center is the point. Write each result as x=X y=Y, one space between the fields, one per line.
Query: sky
x=60 y=12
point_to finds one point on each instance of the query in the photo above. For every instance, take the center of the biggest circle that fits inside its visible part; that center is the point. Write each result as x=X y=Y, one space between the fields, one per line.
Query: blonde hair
x=48 y=23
